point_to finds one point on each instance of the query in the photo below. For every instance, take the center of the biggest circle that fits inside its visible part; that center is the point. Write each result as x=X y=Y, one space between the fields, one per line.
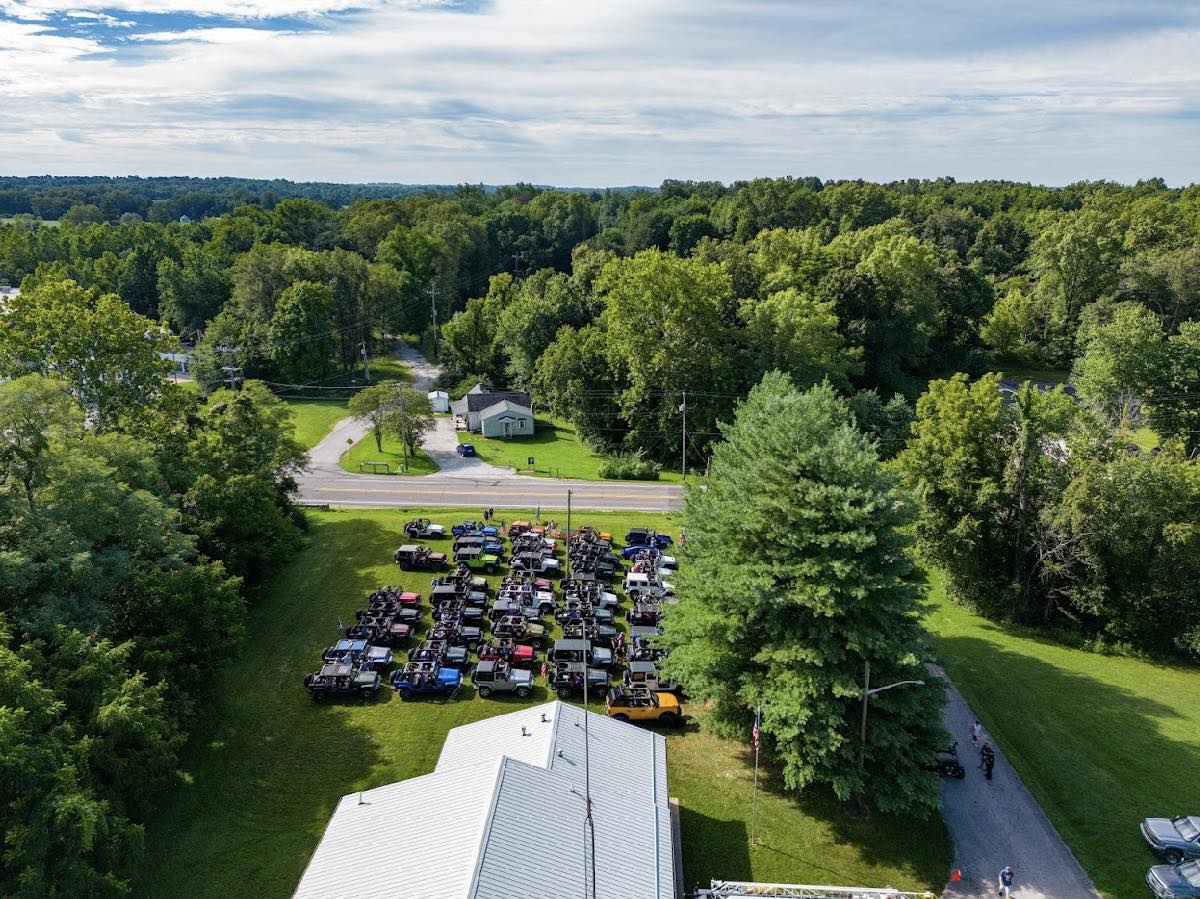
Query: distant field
x=261 y=777
x=1100 y=741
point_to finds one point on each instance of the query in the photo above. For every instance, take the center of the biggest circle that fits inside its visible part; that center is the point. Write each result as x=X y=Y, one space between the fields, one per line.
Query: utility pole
x=868 y=692
x=403 y=426
x=683 y=452
x=366 y=362
x=433 y=292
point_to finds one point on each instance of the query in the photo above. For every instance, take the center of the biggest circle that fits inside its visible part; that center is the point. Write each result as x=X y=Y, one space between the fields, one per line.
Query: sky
x=601 y=92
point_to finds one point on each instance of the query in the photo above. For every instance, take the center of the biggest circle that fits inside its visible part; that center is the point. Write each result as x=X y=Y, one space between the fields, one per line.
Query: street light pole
x=867 y=694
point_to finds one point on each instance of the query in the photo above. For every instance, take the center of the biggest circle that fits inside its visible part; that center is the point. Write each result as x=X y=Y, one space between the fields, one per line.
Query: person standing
x=976 y=733
x=988 y=756
x=1004 y=881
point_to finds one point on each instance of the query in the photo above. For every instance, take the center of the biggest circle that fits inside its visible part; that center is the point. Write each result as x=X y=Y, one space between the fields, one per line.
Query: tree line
x=136 y=523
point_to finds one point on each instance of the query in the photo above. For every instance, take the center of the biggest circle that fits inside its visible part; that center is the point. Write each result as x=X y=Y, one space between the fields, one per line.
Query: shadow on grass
x=1093 y=753
x=726 y=845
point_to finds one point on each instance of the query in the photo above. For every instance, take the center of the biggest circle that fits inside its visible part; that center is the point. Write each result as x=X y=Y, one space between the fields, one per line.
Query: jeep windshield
x=1187 y=829
x=1190 y=871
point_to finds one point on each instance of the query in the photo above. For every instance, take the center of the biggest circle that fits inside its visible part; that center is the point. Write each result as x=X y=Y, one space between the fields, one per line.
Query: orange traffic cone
x=956 y=876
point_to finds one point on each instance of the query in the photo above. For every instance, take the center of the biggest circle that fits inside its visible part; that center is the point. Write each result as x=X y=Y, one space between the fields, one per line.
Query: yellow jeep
x=638 y=702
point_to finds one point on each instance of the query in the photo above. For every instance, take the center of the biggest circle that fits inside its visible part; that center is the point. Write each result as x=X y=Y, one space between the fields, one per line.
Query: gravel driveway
x=997 y=823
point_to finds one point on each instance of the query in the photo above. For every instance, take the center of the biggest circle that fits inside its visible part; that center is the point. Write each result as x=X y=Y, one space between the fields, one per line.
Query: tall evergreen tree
x=794 y=582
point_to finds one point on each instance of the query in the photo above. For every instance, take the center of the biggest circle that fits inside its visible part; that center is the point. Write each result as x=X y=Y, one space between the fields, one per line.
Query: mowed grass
x=1101 y=741
x=314 y=418
x=263 y=772
x=556 y=449
x=393 y=454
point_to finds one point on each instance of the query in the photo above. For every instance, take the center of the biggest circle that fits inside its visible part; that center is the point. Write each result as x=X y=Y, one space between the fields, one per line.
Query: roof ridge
x=486 y=830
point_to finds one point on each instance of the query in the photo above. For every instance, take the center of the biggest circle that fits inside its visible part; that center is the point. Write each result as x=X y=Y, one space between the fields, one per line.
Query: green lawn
x=556 y=449
x=314 y=418
x=393 y=454
x=1101 y=741
x=261 y=776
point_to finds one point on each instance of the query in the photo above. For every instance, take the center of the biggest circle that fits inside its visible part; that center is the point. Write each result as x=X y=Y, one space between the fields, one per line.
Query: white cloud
x=621 y=92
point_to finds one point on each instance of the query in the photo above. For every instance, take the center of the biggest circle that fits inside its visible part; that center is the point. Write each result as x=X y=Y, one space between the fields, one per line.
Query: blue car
x=465 y=450
x=424 y=678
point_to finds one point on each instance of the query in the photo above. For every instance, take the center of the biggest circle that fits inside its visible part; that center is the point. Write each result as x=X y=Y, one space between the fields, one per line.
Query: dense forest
x=137 y=518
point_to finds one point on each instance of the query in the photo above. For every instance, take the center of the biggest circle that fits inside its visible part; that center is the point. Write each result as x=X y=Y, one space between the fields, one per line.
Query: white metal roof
x=476 y=828
x=416 y=838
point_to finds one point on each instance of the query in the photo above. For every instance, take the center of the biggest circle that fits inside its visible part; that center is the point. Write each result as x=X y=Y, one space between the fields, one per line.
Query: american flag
x=545 y=670
x=756 y=733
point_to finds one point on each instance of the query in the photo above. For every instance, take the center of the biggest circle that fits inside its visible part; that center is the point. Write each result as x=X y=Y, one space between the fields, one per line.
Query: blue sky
x=595 y=93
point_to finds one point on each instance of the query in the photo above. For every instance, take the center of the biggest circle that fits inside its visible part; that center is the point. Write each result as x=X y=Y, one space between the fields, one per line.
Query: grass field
x=261 y=777
x=556 y=449
x=393 y=454
x=314 y=418
x=1100 y=741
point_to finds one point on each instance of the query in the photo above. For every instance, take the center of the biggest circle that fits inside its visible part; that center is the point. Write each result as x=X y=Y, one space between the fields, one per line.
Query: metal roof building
x=502 y=816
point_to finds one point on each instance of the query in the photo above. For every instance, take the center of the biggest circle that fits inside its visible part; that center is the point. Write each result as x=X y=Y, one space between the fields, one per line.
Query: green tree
x=985 y=473
x=409 y=419
x=300 y=332
x=104 y=351
x=469 y=338
x=794 y=333
x=373 y=405
x=795 y=581
x=667 y=330
x=1123 y=359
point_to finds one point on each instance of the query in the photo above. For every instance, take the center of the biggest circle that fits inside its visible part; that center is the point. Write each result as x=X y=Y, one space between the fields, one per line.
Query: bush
x=629 y=468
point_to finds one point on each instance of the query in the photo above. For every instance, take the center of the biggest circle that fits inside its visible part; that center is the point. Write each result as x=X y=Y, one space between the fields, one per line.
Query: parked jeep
x=514 y=627
x=566 y=680
x=534 y=563
x=640 y=703
x=476 y=559
x=342 y=679
x=580 y=651
x=647 y=674
x=499 y=677
x=424 y=529
x=583 y=629
x=456 y=634
x=516 y=654
x=411 y=556
x=422 y=678
x=441 y=652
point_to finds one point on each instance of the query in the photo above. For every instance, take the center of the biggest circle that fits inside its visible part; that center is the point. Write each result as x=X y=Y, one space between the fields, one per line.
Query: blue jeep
x=422 y=678
x=465 y=450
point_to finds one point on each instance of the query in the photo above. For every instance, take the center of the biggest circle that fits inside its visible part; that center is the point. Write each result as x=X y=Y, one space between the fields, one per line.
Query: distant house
x=508 y=421
x=439 y=400
x=184 y=220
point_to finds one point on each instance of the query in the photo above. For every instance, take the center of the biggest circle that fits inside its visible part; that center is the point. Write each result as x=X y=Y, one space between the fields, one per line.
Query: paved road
x=997 y=823
x=462 y=482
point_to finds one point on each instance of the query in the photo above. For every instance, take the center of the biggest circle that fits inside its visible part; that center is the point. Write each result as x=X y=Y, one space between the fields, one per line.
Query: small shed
x=439 y=400
x=506 y=419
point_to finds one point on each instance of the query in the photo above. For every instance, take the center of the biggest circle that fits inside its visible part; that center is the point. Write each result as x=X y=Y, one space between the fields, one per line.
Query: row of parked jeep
x=462 y=608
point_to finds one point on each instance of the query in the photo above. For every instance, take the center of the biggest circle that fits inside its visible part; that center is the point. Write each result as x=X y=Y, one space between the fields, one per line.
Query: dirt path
x=996 y=823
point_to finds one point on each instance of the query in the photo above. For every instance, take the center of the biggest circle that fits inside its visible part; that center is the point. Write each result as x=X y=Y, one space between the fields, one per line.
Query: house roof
x=464 y=832
x=480 y=397
x=505 y=406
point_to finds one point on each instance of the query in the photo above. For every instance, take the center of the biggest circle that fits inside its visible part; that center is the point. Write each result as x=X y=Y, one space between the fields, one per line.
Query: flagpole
x=754 y=795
